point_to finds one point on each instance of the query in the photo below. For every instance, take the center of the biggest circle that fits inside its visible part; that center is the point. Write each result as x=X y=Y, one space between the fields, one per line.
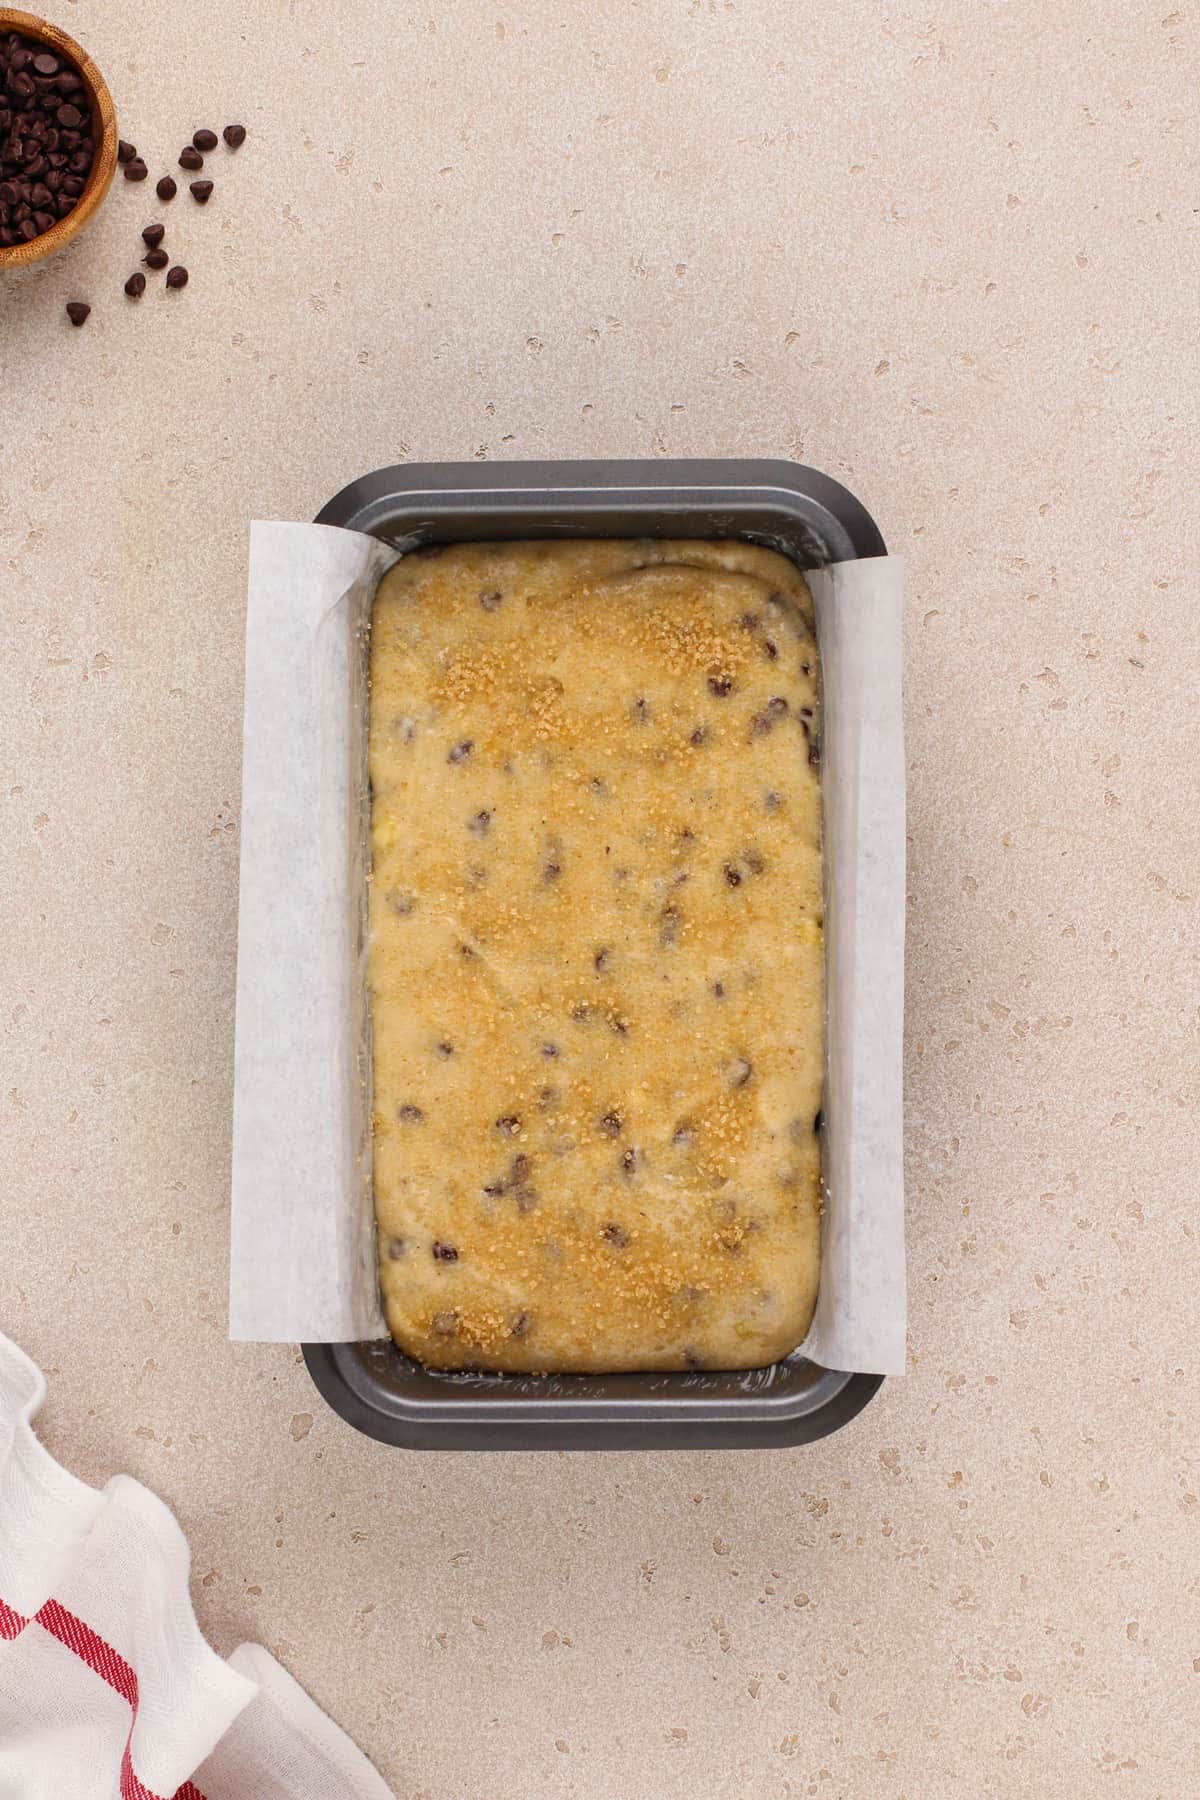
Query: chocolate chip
x=190 y=158
x=616 y=1235
x=739 y=1072
x=45 y=64
x=581 y=1011
x=444 y=1048
x=156 y=259
x=749 y=621
x=444 y=1252
x=134 y=171
x=478 y=825
x=629 y=1162
x=153 y=234
x=819 y=1121
x=126 y=152
x=399 y=900
x=460 y=752
x=397 y=1249
x=68 y=116
x=408 y=1114
x=720 y=685
x=610 y=1124
x=508 y=1125
x=692 y=1359
x=733 y=875
x=814 y=756
x=491 y=600
x=135 y=287
x=551 y=1050
x=519 y=1168
x=602 y=960
x=718 y=988
x=770 y=649
x=773 y=801
x=234 y=135
x=766 y=720
x=445 y=1324
x=201 y=192
x=682 y=1135
x=204 y=139
x=754 y=860
x=177 y=277
x=77 y=311
x=165 y=187
x=640 y=711
x=520 y=1325
x=668 y=926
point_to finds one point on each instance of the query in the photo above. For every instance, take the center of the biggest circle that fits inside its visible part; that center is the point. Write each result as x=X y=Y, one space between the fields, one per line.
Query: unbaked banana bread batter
x=596 y=956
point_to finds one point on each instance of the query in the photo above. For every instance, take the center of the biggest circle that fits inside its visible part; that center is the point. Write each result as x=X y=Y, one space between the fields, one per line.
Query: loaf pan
x=377 y=1389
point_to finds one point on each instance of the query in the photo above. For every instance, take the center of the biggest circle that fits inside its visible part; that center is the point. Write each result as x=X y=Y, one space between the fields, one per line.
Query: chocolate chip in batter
x=408 y=1114
x=520 y=1324
x=616 y=1235
x=610 y=1124
x=551 y=871
x=733 y=875
x=508 y=1125
x=401 y=902
x=444 y=1252
x=720 y=685
x=581 y=1012
x=602 y=960
x=770 y=649
x=551 y=1050
x=739 y=1071
x=640 y=711
x=460 y=752
x=547 y=1097
x=629 y=1162
x=491 y=599
x=699 y=734
x=445 y=1049
x=692 y=1359
x=445 y=1324
x=718 y=988
x=766 y=720
x=683 y=1135
x=753 y=860
x=814 y=756
x=749 y=621
x=397 y=1249
x=773 y=801
x=819 y=1121
x=668 y=926
x=616 y=1023
x=480 y=823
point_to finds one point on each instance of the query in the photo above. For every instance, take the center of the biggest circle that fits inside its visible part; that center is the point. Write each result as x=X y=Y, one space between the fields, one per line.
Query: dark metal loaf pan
x=378 y=1390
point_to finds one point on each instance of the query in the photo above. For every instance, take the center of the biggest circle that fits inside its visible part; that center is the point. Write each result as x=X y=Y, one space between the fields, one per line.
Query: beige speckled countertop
x=949 y=255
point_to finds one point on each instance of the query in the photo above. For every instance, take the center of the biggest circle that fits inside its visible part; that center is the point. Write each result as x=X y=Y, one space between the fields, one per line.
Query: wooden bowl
x=104 y=132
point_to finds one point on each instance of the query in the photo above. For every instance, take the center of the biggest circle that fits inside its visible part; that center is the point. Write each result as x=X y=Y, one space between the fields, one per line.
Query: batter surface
x=596 y=958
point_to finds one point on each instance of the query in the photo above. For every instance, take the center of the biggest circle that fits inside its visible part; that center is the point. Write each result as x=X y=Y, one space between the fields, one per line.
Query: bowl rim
x=103 y=114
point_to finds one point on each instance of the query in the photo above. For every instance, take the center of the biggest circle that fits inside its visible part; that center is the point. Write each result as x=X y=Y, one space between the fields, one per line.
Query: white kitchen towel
x=108 y=1691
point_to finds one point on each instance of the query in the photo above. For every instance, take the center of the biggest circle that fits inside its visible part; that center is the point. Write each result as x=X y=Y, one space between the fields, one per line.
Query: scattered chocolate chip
x=720 y=685
x=136 y=170
x=204 y=139
x=408 y=1114
x=201 y=192
x=156 y=259
x=190 y=158
x=739 y=1072
x=547 y=1097
x=733 y=875
x=126 y=152
x=397 y=1249
x=610 y=1124
x=77 y=311
x=444 y=1252
x=508 y=1125
x=602 y=960
x=460 y=752
x=234 y=135
x=135 y=287
x=491 y=600
x=153 y=235
x=165 y=187
x=616 y=1235
x=177 y=277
